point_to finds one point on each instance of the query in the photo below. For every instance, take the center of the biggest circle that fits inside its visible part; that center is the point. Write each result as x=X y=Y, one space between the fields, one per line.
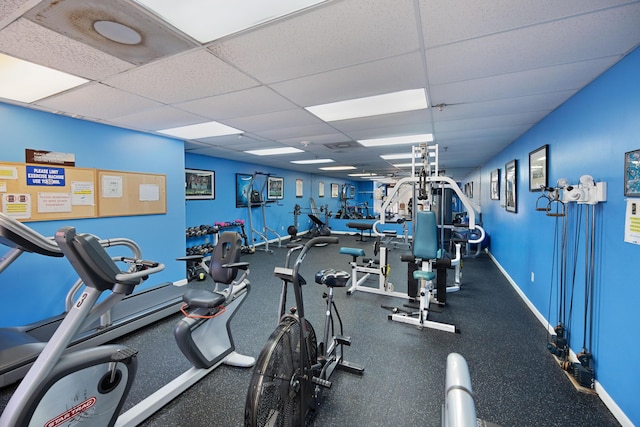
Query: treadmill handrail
x=15 y=234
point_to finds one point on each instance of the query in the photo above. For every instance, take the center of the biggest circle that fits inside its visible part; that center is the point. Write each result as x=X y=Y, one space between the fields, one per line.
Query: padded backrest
x=90 y=260
x=425 y=241
x=226 y=251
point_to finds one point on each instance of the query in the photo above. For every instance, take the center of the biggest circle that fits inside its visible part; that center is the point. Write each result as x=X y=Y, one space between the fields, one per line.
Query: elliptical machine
x=89 y=386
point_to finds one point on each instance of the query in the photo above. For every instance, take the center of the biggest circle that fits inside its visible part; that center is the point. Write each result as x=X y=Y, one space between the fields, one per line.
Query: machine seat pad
x=390 y=233
x=202 y=298
x=360 y=225
x=426 y=275
x=352 y=251
x=332 y=278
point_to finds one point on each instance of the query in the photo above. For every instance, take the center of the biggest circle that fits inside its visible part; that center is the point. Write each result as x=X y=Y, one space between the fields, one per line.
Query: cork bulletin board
x=130 y=193
x=32 y=192
x=36 y=192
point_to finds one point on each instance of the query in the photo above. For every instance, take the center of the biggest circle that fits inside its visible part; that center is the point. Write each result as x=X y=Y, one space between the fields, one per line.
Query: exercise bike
x=292 y=369
x=90 y=386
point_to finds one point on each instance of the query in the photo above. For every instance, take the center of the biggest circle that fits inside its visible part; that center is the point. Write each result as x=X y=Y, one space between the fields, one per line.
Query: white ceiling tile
x=373 y=78
x=274 y=120
x=32 y=42
x=153 y=119
x=545 y=80
x=335 y=35
x=406 y=123
x=97 y=101
x=446 y=21
x=257 y=100
x=11 y=9
x=196 y=74
x=490 y=122
x=76 y=19
x=301 y=133
x=614 y=31
x=541 y=102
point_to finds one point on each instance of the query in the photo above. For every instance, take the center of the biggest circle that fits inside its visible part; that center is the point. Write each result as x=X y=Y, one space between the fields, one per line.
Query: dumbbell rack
x=204 y=244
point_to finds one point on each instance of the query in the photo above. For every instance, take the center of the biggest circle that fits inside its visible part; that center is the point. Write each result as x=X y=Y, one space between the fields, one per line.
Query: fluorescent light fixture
x=405 y=165
x=25 y=81
x=374 y=177
x=397 y=140
x=337 y=168
x=207 y=20
x=274 y=151
x=311 y=162
x=395 y=102
x=362 y=174
x=201 y=130
x=399 y=156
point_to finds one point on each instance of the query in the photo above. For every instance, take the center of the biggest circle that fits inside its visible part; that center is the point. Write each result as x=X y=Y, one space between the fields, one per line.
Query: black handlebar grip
x=321 y=240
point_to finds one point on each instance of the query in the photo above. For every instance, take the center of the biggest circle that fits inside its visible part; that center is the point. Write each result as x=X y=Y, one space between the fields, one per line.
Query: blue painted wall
x=34 y=286
x=279 y=214
x=589 y=134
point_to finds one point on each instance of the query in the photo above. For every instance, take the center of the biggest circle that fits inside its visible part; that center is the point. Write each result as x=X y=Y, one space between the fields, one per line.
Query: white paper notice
x=112 y=186
x=632 y=222
x=149 y=192
x=17 y=205
x=82 y=194
x=54 y=202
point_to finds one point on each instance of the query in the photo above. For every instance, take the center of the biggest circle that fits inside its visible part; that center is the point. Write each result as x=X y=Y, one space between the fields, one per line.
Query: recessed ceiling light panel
x=208 y=20
x=25 y=81
x=395 y=102
x=274 y=151
x=311 y=162
x=397 y=140
x=201 y=130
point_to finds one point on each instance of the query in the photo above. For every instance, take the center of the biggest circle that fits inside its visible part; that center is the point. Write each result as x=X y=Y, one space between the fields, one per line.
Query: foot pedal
x=123 y=354
x=350 y=367
x=342 y=340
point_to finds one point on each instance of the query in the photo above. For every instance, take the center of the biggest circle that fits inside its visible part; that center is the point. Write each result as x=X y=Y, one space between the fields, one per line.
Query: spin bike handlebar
x=291 y=274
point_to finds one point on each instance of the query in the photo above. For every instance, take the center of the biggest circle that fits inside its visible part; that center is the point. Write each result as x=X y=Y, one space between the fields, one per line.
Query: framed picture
x=632 y=174
x=494 y=182
x=321 y=189
x=299 y=187
x=243 y=188
x=511 y=186
x=275 y=188
x=199 y=184
x=538 y=166
x=334 y=191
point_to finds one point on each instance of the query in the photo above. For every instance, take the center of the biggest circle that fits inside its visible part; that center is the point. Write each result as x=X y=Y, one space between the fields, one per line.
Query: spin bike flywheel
x=274 y=393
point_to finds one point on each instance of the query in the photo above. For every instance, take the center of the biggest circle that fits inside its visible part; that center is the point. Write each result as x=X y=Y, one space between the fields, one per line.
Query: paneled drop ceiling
x=491 y=70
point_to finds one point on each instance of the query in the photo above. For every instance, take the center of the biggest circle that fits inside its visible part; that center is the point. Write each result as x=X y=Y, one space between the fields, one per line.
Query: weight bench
x=361 y=226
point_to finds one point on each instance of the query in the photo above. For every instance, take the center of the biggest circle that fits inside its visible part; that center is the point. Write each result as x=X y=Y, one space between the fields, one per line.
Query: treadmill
x=21 y=345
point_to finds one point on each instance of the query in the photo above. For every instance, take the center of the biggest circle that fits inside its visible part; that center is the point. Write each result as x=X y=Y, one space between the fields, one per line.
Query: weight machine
x=426 y=185
x=255 y=199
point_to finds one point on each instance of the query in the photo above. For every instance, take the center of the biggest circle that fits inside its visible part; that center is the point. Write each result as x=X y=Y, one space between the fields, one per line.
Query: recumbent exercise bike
x=90 y=386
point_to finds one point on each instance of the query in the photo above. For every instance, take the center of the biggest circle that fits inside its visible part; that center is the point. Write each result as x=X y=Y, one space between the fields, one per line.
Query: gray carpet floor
x=516 y=381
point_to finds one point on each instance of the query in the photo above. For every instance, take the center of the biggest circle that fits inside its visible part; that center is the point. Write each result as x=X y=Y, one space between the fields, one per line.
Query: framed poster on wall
x=199 y=184
x=511 y=186
x=632 y=174
x=275 y=188
x=243 y=188
x=538 y=165
x=494 y=182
